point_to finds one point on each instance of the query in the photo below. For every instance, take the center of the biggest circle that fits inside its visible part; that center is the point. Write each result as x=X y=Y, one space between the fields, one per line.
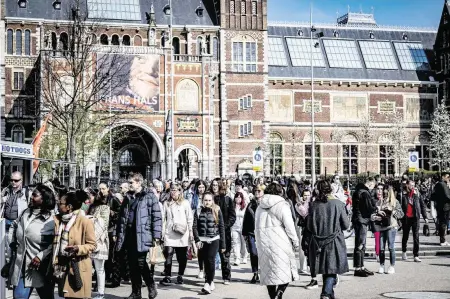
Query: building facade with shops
x=238 y=82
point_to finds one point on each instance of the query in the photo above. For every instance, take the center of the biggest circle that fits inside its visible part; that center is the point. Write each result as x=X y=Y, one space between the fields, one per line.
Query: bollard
x=2 y=257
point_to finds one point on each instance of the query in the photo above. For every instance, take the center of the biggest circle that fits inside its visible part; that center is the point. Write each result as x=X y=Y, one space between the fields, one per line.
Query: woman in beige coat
x=74 y=242
x=178 y=235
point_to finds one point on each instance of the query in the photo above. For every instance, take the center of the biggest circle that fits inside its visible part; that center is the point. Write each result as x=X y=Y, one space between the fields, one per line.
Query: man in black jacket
x=363 y=207
x=227 y=207
x=413 y=206
x=441 y=196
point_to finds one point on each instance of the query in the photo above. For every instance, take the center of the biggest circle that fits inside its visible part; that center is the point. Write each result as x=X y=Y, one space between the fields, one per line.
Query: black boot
x=135 y=295
x=152 y=293
x=255 y=278
x=279 y=295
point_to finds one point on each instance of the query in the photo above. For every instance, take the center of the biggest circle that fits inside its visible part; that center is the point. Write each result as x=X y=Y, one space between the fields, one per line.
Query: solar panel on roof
x=277 y=55
x=114 y=9
x=342 y=53
x=300 y=52
x=412 y=56
x=378 y=55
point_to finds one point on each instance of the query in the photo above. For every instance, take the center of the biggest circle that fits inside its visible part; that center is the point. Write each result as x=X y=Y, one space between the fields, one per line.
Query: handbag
x=156 y=255
x=5 y=270
x=178 y=227
x=426 y=230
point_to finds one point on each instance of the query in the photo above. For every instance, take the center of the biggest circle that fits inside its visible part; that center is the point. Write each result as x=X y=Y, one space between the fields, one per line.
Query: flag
x=37 y=143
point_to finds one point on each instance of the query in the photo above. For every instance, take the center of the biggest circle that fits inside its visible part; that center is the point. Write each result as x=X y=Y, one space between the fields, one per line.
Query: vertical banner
x=258 y=162
x=37 y=143
x=413 y=161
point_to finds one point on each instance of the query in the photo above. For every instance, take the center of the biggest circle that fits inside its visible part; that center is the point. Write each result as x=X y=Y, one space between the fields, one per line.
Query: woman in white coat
x=178 y=217
x=237 y=240
x=276 y=241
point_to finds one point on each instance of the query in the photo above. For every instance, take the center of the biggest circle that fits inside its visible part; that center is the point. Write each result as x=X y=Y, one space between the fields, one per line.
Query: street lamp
x=313 y=141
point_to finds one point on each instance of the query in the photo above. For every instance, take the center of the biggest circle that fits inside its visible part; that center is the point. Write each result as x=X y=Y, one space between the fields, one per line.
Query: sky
x=418 y=13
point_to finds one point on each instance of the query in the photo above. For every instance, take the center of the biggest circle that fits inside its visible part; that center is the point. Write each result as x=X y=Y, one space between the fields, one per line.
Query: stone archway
x=188 y=160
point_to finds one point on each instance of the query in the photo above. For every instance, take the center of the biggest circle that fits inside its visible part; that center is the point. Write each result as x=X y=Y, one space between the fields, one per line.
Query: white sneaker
x=417 y=259
x=381 y=270
x=236 y=262
x=445 y=244
x=212 y=286
x=206 y=288
x=391 y=270
x=378 y=258
x=226 y=282
x=244 y=261
x=404 y=256
x=201 y=275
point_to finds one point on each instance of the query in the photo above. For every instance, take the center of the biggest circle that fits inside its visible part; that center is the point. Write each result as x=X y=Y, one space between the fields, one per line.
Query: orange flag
x=37 y=143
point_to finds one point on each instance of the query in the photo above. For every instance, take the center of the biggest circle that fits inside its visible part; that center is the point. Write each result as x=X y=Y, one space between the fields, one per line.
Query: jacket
x=276 y=239
x=363 y=205
x=227 y=207
x=419 y=207
x=248 y=223
x=100 y=220
x=114 y=210
x=396 y=216
x=237 y=226
x=177 y=213
x=81 y=234
x=148 y=220
x=327 y=250
x=441 y=196
x=33 y=239
x=205 y=226
x=14 y=203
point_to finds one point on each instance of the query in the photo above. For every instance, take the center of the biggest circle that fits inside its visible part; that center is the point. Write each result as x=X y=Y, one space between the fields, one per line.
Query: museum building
x=238 y=83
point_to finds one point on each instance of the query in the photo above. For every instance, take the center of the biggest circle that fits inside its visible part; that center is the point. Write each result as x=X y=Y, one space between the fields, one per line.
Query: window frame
x=245 y=102
x=387 y=161
x=17 y=84
x=242 y=61
x=308 y=159
x=19 y=42
x=348 y=159
x=27 y=43
x=18 y=129
x=276 y=145
x=245 y=129
x=19 y=108
x=10 y=42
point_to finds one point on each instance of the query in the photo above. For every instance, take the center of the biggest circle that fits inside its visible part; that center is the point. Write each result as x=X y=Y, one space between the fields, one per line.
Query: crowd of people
x=57 y=236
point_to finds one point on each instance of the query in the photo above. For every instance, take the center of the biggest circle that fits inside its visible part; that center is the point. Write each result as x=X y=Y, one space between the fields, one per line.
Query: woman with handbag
x=99 y=212
x=386 y=223
x=196 y=206
x=178 y=234
x=74 y=242
x=32 y=235
x=209 y=234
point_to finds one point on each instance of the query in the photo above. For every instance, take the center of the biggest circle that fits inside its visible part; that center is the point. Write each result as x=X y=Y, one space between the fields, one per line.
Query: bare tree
x=440 y=137
x=336 y=137
x=399 y=140
x=75 y=80
x=295 y=151
x=366 y=135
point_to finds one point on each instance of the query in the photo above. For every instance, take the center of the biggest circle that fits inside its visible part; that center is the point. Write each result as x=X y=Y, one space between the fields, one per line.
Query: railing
x=187 y=58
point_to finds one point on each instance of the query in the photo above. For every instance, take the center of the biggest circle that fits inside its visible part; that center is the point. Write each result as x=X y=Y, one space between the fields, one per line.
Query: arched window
x=27 y=42
x=18 y=134
x=216 y=48
x=104 y=39
x=276 y=154
x=54 y=42
x=176 y=46
x=199 y=45
x=64 y=42
x=19 y=42
x=163 y=41
x=126 y=40
x=115 y=40
x=138 y=40
x=9 y=41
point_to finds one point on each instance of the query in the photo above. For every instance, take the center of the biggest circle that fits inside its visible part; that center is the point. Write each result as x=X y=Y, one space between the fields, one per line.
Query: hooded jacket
x=363 y=205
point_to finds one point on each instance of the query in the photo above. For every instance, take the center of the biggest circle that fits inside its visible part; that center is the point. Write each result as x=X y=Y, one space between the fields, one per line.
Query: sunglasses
x=16 y=181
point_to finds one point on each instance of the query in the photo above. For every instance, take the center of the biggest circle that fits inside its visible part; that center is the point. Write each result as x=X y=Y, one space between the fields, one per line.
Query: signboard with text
x=21 y=150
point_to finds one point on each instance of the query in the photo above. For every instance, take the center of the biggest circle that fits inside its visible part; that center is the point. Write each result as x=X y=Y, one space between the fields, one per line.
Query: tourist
x=178 y=233
x=31 y=238
x=196 y=206
x=209 y=234
x=237 y=239
x=441 y=197
x=276 y=241
x=327 y=220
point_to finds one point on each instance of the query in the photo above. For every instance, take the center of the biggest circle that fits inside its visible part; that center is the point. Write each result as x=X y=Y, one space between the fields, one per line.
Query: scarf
x=410 y=197
x=62 y=241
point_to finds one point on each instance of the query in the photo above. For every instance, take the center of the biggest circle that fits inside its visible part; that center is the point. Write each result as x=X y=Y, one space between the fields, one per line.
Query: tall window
x=276 y=154
x=243 y=8
x=18 y=42
x=104 y=39
x=17 y=134
x=115 y=40
x=9 y=41
x=308 y=159
x=176 y=46
x=232 y=6
x=424 y=157
x=27 y=42
x=199 y=45
x=126 y=40
x=18 y=80
x=244 y=56
x=387 y=163
x=64 y=42
x=19 y=108
x=350 y=159
x=216 y=48
x=254 y=8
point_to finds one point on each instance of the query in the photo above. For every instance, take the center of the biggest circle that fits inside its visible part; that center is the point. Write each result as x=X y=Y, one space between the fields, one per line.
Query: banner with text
x=258 y=161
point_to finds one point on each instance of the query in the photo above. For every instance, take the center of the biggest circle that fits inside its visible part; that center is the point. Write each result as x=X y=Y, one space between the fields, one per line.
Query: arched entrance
x=187 y=164
x=134 y=150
